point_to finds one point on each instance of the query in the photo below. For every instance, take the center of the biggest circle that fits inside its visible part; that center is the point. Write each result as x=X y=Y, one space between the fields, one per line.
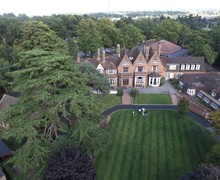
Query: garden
x=155 y=146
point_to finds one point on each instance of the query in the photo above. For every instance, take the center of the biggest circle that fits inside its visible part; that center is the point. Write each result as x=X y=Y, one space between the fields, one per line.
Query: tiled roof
x=166 y=47
x=6 y=101
x=134 y=52
x=185 y=60
x=4 y=149
x=94 y=61
x=202 y=81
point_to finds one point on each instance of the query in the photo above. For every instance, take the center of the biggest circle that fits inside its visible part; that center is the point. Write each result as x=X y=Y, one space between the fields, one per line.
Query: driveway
x=166 y=88
x=194 y=116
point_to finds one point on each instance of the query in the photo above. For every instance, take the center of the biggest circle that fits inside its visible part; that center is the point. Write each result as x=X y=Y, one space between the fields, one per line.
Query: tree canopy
x=183 y=108
x=55 y=103
x=88 y=36
x=214 y=117
x=168 y=29
x=213 y=157
x=37 y=35
x=96 y=79
x=130 y=35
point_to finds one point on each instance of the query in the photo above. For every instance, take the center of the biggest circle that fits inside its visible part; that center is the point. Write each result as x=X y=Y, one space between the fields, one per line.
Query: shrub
x=133 y=92
x=162 y=81
x=120 y=92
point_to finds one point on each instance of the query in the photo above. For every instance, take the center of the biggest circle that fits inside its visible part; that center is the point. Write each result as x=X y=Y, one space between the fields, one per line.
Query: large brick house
x=145 y=64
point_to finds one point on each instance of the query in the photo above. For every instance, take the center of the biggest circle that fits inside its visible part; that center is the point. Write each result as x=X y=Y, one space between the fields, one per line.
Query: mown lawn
x=157 y=146
x=152 y=99
x=109 y=100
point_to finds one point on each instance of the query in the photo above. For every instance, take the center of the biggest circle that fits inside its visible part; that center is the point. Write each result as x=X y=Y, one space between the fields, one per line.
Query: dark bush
x=70 y=163
x=120 y=92
x=162 y=81
x=133 y=92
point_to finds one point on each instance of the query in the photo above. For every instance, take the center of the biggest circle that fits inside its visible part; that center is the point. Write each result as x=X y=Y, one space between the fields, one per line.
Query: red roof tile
x=166 y=47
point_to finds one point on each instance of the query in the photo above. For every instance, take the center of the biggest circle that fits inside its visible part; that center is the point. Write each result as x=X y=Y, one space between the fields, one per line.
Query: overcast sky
x=48 y=7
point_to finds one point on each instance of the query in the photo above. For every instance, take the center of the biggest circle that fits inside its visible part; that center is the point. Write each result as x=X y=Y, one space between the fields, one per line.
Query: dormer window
x=172 y=67
x=187 y=66
x=182 y=67
x=197 y=66
x=192 y=66
x=213 y=93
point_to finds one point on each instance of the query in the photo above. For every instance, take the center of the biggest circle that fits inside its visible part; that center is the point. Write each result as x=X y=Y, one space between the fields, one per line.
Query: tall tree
x=55 y=102
x=214 y=117
x=88 y=36
x=213 y=157
x=72 y=47
x=183 y=108
x=70 y=163
x=37 y=35
x=95 y=78
x=130 y=35
x=215 y=35
x=199 y=44
x=168 y=29
x=147 y=26
x=109 y=33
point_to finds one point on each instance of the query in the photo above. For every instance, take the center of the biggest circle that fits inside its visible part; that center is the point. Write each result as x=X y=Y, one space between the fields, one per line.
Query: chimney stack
x=159 y=48
x=78 y=58
x=103 y=56
x=118 y=50
x=146 y=51
x=98 y=52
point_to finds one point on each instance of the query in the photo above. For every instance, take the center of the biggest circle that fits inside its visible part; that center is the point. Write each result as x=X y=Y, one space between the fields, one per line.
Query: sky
x=48 y=7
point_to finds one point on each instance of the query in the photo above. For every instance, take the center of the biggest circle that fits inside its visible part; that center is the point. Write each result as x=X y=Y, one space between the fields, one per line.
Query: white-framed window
x=111 y=71
x=112 y=82
x=197 y=66
x=182 y=67
x=191 y=92
x=188 y=67
x=193 y=66
x=172 y=67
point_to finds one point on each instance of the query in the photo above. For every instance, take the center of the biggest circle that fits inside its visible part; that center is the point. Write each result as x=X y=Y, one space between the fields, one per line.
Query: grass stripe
x=154 y=147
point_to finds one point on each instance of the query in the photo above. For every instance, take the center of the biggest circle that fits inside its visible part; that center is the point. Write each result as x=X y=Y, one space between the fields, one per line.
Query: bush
x=133 y=92
x=162 y=81
x=173 y=81
x=120 y=92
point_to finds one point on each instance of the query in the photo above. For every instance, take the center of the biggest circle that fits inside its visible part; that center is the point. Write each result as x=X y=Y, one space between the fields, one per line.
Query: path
x=126 y=99
x=194 y=116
